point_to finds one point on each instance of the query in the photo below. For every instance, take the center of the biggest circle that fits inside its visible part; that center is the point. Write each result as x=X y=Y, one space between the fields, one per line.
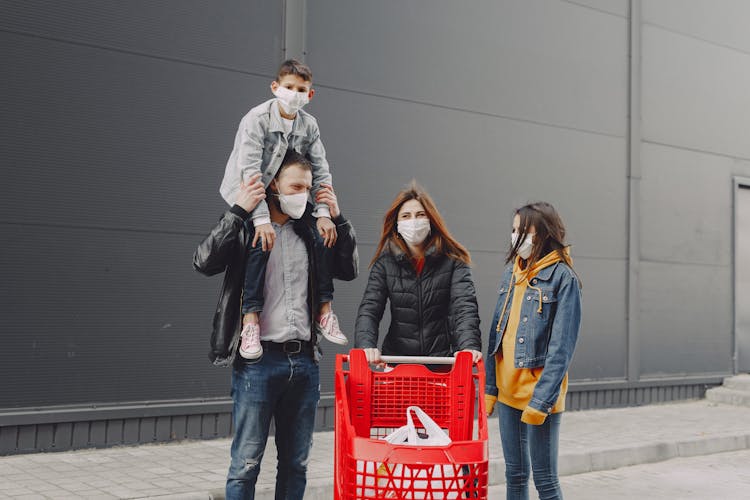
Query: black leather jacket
x=433 y=314
x=224 y=250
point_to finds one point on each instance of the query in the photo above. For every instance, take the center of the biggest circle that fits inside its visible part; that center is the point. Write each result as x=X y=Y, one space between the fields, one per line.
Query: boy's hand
x=327 y=230
x=266 y=235
x=326 y=195
x=251 y=193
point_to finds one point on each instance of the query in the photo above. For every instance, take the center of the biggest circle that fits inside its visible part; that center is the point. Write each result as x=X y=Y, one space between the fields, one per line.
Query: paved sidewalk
x=590 y=441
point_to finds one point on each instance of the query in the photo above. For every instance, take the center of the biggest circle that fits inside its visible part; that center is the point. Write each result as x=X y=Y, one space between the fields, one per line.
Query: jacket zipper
x=419 y=310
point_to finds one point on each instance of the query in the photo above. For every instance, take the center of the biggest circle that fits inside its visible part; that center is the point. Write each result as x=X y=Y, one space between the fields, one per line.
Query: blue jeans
x=255 y=275
x=529 y=447
x=285 y=387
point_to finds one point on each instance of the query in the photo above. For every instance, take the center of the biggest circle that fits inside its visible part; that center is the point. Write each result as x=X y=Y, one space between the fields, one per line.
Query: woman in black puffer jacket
x=424 y=273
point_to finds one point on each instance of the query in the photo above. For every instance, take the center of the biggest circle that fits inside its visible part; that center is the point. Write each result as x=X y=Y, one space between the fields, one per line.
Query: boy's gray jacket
x=225 y=249
x=260 y=146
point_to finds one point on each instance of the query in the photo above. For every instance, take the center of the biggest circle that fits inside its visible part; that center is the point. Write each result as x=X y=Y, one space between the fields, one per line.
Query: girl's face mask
x=524 y=251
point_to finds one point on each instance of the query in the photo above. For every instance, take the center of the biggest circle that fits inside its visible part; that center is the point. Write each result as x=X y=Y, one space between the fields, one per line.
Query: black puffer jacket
x=433 y=314
x=224 y=250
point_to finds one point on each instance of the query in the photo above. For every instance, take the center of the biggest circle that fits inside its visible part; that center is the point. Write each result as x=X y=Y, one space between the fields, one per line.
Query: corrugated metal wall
x=117 y=121
x=118 y=118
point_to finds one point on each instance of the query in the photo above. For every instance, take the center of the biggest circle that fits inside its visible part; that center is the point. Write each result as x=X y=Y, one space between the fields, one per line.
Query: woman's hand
x=373 y=356
x=475 y=355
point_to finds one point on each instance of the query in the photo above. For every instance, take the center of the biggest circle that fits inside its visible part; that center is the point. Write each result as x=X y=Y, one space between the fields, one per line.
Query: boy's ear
x=311 y=94
x=274 y=85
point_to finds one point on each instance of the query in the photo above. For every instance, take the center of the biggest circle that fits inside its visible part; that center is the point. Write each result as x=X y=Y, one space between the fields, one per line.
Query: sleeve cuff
x=322 y=211
x=239 y=212
x=532 y=416
x=259 y=221
x=489 y=403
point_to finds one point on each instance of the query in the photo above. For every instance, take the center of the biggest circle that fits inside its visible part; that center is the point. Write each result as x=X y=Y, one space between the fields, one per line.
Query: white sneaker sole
x=251 y=355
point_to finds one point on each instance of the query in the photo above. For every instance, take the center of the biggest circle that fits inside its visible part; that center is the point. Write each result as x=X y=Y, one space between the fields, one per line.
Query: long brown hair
x=439 y=238
x=549 y=237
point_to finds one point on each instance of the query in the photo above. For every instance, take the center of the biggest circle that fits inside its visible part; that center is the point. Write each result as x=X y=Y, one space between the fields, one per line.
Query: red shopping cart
x=370 y=404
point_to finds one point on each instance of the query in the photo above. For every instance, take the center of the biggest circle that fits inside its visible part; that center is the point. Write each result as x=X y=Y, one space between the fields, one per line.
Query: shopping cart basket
x=370 y=404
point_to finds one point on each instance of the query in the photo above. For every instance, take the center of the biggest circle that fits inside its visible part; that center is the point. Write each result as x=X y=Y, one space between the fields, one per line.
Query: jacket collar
x=545 y=274
x=276 y=123
x=401 y=257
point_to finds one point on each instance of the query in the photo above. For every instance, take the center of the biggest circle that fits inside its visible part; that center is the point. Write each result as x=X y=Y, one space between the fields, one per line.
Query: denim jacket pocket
x=543 y=305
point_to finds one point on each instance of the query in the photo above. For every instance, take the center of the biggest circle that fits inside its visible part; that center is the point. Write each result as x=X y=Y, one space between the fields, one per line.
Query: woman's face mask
x=414 y=231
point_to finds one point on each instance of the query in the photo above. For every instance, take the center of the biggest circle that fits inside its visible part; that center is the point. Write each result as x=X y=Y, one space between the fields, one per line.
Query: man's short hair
x=294 y=158
x=294 y=67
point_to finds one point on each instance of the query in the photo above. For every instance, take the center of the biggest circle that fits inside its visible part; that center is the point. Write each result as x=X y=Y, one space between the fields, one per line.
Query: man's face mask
x=293 y=204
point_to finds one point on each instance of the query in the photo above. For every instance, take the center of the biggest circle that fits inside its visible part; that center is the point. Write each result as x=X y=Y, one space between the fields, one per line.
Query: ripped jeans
x=284 y=387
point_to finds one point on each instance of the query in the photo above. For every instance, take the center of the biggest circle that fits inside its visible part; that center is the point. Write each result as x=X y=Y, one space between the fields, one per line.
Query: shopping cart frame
x=360 y=425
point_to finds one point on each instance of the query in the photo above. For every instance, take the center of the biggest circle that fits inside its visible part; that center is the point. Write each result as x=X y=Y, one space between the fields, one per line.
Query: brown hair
x=294 y=67
x=293 y=158
x=439 y=237
x=549 y=237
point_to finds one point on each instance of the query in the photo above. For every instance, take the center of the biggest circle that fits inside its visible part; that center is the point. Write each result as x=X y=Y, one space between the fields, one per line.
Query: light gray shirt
x=286 y=314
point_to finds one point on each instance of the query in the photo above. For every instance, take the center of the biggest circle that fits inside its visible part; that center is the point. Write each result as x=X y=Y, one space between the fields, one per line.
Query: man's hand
x=251 y=193
x=327 y=230
x=266 y=235
x=326 y=195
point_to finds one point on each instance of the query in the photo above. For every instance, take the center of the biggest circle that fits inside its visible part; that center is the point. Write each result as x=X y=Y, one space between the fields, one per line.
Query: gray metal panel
x=686 y=206
x=693 y=92
x=229 y=34
x=117 y=316
x=477 y=167
x=686 y=319
x=116 y=140
x=541 y=60
x=601 y=352
x=616 y=7
x=742 y=276
x=722 y=23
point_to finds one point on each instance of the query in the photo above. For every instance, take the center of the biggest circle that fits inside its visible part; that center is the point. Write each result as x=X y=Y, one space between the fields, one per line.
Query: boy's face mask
x=290 y=100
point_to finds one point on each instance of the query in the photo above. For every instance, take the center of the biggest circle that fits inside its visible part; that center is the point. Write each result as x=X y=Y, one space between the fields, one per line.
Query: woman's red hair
x=439 y=238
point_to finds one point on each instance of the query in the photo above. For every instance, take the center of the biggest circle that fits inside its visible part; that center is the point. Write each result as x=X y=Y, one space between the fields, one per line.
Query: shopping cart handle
x=419 y=360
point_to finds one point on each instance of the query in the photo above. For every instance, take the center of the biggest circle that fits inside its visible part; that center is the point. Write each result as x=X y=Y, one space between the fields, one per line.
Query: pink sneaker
x=329 y=327
x=250 y=347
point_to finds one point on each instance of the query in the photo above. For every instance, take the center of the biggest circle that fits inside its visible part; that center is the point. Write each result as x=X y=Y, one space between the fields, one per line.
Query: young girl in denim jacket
x=532 y=339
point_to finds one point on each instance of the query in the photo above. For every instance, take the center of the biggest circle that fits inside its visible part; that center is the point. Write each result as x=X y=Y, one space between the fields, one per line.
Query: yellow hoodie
x=516 y=385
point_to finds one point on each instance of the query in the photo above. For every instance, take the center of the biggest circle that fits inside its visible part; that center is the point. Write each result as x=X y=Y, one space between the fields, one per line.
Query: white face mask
x=290 y=100
x=525 y=249
x=414 y=231
x=293 y=204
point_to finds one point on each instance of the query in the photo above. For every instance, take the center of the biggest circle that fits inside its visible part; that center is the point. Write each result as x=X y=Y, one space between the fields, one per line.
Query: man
x=283 y=384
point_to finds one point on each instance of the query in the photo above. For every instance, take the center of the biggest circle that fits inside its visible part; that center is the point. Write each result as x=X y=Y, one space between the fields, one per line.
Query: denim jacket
x=546 y=335
x=260 y=146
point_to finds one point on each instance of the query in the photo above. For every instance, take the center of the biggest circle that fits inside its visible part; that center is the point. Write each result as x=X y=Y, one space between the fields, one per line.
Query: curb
x=569 y=463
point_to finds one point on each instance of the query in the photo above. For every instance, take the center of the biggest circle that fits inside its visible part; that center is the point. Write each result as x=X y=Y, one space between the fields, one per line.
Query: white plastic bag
x=435 y=436
x=415 y=481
